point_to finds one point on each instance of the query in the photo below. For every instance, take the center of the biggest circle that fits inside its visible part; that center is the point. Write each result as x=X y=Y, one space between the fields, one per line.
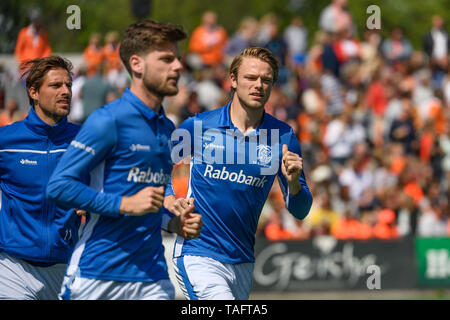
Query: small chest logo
x=264 y=154
x=139 y=147
x=213 y=146
x=28 y=162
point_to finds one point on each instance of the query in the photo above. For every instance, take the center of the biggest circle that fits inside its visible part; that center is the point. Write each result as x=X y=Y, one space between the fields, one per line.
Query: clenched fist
x=186 y=223
x=149 y=199
x=291 y=167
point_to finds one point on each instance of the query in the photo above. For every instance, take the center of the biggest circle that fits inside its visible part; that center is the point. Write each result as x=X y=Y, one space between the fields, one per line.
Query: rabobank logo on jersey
x=139 y=175
x=224 y=174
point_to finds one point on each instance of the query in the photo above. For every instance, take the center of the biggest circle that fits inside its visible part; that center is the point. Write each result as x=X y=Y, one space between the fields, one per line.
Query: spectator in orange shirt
x=386 y=228
x=111 y=52
x=209 y=40
x=93 y=54
x=278 y=230
x=397 y=159
x=349 y=228
x=32 y=41
x=274 y=230
x=410 y=185
x=115 y=73
x=346 y=227
x=376 y=97
x=364 y=230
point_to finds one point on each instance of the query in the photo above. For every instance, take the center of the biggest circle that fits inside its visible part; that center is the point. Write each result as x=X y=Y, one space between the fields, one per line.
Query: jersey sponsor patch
x=139 y=175
x=241 y=177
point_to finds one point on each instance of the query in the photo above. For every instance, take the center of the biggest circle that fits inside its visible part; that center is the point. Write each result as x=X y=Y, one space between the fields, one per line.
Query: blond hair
x=258 y=53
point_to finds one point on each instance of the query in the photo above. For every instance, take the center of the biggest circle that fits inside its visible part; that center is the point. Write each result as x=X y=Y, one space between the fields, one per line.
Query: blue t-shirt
x=124 y=146
x=231 y=175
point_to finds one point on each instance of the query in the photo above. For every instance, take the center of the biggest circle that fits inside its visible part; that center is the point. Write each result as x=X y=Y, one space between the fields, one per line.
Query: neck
x=244 y=118
x=49 y=119
x=150 y=99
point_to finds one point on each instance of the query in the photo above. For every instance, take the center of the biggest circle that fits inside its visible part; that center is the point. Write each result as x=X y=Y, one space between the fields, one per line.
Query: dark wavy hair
x=35 y=70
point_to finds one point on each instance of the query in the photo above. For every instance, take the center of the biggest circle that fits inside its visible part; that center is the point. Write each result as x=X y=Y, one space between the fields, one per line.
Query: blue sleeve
x=169 y=190
x=299 y=204
x=84 y=157
x=166 y=217
x=2 y=146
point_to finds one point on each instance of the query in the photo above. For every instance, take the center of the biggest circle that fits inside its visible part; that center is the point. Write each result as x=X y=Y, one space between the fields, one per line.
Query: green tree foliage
x=413 y=16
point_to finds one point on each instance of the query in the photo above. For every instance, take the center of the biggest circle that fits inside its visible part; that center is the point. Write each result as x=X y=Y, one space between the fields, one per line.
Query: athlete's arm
x=185 y=222
x=292 y=180
x=291 y=167
x=84 y=156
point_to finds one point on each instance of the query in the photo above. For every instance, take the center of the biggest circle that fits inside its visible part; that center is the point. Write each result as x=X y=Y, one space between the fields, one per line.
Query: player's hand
x=177 y=206
x=79 y=212
x=187 y=224
x=149 y=199
x=291 y=167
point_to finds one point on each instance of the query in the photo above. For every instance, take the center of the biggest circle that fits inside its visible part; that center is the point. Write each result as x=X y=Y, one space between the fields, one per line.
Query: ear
x=33 y=93
x=233 y=81
x=136 y=64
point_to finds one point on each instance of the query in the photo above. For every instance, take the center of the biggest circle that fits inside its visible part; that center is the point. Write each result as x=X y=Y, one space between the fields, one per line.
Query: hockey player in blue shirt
x=124 y=146
x=36 y=236
x=235 y=154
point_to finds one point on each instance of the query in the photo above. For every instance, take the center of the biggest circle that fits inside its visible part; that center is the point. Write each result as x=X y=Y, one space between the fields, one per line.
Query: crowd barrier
x=325 y=263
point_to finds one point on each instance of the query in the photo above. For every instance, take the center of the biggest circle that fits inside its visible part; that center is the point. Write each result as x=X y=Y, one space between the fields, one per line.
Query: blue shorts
x=203 y=278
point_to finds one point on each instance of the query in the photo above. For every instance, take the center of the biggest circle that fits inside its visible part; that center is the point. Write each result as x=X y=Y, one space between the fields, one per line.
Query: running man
x=124 y=146
x=36 y=236
x=236 y=152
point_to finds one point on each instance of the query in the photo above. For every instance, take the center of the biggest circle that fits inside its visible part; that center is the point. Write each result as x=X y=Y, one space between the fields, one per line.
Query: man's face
x=253 y=83
x=54 y=96
x=162 y=69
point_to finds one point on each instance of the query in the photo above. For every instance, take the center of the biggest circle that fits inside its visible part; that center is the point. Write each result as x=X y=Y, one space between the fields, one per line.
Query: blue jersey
x=231 y=175
x=32 y=227
x=124 y=146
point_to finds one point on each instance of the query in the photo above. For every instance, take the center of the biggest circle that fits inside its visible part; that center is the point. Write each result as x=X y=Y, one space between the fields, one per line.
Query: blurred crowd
x=372 y=116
